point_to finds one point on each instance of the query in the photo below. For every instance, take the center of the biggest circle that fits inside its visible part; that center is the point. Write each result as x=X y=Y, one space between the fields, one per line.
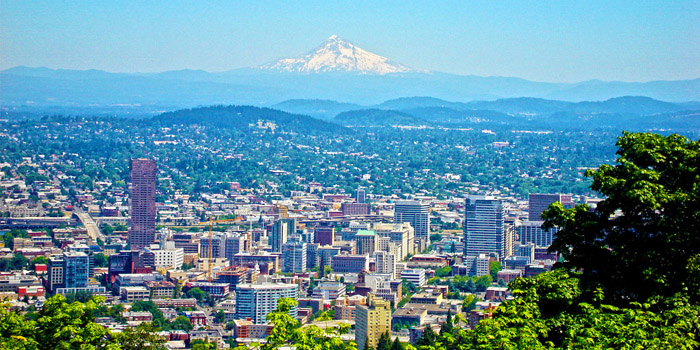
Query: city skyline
x=547 y=41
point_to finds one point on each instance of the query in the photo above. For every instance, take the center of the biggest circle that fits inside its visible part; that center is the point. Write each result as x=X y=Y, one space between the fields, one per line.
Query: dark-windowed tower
x=416 y=213
x=539 y=202
x=360 y=196
x=483 y=227
x=143 y=203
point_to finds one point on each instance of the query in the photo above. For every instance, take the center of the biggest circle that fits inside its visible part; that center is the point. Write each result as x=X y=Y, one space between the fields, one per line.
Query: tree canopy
x=631 y=272
x=288 y=332
x=639 y=241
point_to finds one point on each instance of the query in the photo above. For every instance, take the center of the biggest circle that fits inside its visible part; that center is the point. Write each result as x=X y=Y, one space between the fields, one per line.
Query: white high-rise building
x=402 y=234
x=255 y=301
x=416 y=276
x=167 y=256
x=385 y=263
x=294 y=255
x=477 y=265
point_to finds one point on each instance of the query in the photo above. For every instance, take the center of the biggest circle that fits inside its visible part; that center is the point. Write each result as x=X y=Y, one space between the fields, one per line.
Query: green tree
x=16 y=332
x=101 y=260
x=408 y=287
x=38 y=260
x=639 y=240
x=482 y=282
x=199 y=344
x=143 y=336
x=220 y=316
x=197 y=293
x=552 y=310
x=596 y=300
x=396 y=345
x=447 y=327
x=443 y=271
x=428 y=337
x=17 y=262
x=384 y=342
x=107 y=230
x=494 y=267
x=59 y=325
x=287 y=331
x=469 y=303
x=470 y=286
x=181 y=323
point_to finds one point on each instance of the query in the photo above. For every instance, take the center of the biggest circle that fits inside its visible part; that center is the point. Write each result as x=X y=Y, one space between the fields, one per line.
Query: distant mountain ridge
x=320 y=109
x=337 y=70
x=633 y=105
x=41 y=87
x=376 y=117
x=629 y=112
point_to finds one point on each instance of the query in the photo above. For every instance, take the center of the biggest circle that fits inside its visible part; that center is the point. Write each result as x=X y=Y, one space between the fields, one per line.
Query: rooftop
x=366 y=233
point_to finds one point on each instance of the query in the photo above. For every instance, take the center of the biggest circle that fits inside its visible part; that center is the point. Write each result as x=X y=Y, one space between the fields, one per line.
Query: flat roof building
x=255 y=301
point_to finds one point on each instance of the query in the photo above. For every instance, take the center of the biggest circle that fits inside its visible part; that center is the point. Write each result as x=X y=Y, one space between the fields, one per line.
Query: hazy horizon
x=545 y=41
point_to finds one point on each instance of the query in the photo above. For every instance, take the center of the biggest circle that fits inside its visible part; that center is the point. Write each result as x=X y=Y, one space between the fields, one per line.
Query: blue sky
x=557 y=41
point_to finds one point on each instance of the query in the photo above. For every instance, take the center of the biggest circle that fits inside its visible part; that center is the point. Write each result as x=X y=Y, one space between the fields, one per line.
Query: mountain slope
x=247 y=118
x=451 y=117
x=377 y=117
x=420 y=102
x=321 y=109
x=635 y=105
x=338 y=55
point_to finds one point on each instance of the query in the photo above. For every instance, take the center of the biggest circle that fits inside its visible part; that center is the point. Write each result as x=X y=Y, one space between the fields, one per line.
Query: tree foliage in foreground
x=639 y=241
x=62 y=325
x=631 y=276
x=288 y=332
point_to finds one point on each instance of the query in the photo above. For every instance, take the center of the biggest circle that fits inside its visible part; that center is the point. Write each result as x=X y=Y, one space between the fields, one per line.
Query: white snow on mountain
x=338 y=55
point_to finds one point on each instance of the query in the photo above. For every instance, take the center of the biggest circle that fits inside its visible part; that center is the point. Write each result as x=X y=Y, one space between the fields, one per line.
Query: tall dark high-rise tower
x=281 y=231
x=483 y=227
x=143 y=203
x=360 y=195
x=324 y=233
x=415 y=212
x=539 y=202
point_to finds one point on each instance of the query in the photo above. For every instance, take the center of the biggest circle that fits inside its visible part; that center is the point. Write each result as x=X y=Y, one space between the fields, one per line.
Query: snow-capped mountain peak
x=338 y=55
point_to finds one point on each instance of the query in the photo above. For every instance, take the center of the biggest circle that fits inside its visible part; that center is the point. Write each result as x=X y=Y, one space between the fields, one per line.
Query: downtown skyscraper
x=142 y=206
x=483 y=227
x=539 y=202
x=282 y=229
x=417 y=214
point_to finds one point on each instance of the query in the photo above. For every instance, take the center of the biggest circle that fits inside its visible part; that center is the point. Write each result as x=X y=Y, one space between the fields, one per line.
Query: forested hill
x=247 y=118
x=377 y=117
